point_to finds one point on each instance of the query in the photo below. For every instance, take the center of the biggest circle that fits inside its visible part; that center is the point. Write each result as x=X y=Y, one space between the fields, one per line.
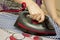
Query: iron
x=31 y=26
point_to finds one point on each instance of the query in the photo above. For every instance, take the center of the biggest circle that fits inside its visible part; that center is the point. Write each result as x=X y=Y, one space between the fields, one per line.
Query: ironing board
x=7 y=21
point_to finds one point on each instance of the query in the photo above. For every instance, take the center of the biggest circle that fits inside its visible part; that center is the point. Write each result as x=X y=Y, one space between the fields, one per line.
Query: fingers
x=42 y=18
x=38 y=17
x=35 y=16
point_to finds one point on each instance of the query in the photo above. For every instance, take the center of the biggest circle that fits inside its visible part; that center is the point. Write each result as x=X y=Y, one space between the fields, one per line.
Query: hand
x=38 y=17
x=35 y=12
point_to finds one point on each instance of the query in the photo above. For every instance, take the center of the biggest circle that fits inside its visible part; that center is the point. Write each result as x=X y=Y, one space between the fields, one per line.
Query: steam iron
x=30 y=26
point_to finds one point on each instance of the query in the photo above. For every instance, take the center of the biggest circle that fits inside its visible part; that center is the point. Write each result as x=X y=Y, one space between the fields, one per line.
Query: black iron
x=30 y=26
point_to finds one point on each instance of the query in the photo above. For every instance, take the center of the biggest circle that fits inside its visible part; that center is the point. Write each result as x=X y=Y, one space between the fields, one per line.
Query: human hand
x=35 y=12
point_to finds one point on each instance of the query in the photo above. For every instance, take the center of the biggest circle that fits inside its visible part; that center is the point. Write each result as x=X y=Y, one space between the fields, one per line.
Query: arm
x=50 y=5
x=35 y=11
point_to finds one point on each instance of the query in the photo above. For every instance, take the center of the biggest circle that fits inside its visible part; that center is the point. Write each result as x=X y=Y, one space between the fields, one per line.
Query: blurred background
x=10 y=4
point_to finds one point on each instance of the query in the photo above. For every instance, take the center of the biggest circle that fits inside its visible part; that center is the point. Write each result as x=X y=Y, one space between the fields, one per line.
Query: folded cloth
x=7 y=21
